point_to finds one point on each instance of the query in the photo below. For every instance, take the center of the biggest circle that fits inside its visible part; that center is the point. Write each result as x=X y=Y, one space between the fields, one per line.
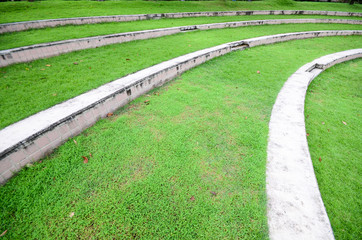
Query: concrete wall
x=38 y=51
x=21 y=26
x=36 y=136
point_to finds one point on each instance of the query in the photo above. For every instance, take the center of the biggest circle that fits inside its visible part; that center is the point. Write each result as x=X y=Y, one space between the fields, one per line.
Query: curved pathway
x=34 y=137
x=44 y=50
x=295 y=206
x=21 y=26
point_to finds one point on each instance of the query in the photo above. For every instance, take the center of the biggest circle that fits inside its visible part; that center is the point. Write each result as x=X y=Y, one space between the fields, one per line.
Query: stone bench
x=295 y=207
x=45 y=50
x=36 y=136
x=21 y=26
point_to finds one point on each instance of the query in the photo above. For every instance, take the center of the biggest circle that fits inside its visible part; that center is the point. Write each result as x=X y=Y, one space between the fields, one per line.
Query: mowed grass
x=28 y=88
x=333 y=110
x=188 y=165
x=35 y=36
x=25 y=11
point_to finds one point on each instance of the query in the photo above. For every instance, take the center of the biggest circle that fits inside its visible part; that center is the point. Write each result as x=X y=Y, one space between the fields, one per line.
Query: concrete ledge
x=44 y=50
x=295 y=206
x=36 y=136
x=21 y=26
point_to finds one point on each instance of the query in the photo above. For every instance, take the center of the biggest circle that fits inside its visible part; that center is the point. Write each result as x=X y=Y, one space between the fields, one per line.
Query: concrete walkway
x=295 y=206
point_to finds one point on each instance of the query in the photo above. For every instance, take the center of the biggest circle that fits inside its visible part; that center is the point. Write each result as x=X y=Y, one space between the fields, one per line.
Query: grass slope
x=28 y=88
x=190 y=164
x=333 y=107
x=25 y=11
x=35 y=36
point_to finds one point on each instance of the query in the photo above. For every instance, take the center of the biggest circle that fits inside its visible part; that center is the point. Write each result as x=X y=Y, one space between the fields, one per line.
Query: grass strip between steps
x=28 y=88
x=187 y=164
x=35 y=36
x=26 y=11
x=333 y=121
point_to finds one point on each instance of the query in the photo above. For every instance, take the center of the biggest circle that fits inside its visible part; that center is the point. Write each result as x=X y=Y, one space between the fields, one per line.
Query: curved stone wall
x=44 y=50
x=295 y=206
x=21 y=26
x=36 y=136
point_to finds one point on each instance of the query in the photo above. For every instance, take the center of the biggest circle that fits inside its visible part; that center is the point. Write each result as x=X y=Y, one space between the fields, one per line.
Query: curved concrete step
x=295 y=206
x=34 y=137
x=21 y=26
x=44 y=50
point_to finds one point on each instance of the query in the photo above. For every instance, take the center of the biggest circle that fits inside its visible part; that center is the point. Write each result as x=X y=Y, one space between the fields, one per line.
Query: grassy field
x=31 y=87
x=35 y=36
x=333 y=110
x=190 y=164
x=25 y=11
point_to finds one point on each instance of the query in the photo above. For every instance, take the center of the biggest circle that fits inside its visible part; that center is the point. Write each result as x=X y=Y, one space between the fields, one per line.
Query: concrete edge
x=45 y=50
x=21 y=26
x=36 y=136
x=295 y=206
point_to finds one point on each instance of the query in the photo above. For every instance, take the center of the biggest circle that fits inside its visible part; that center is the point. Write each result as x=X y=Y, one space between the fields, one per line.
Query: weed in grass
x=333 y=107
x=190 y=164
x=31 y=87
x=285 y=2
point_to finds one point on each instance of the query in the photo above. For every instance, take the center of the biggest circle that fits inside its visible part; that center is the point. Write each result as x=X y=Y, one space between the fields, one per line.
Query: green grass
x=35 y=36
x=190 y=165
x=25 y=11
x=334 y=98
x=28 y=88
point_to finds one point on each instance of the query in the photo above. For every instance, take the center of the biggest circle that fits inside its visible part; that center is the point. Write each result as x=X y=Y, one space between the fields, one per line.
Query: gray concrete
x=44 y=50
x=295 y=206
x=36 y=136
x=21 y=26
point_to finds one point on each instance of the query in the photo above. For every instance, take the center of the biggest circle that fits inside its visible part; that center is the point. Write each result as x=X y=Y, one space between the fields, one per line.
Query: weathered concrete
x=44 y=50
x=36 y=136
x=21 y=26
x=295 y=206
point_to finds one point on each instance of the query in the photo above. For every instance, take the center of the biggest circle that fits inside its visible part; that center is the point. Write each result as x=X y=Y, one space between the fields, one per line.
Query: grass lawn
x=333 y=110
x=28 y=88
x=35 y=36
x=25 y=11
x=189 y=165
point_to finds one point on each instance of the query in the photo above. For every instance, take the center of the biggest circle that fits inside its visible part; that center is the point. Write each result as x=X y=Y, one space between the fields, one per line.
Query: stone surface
x=44 y=50
x=295 y=206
